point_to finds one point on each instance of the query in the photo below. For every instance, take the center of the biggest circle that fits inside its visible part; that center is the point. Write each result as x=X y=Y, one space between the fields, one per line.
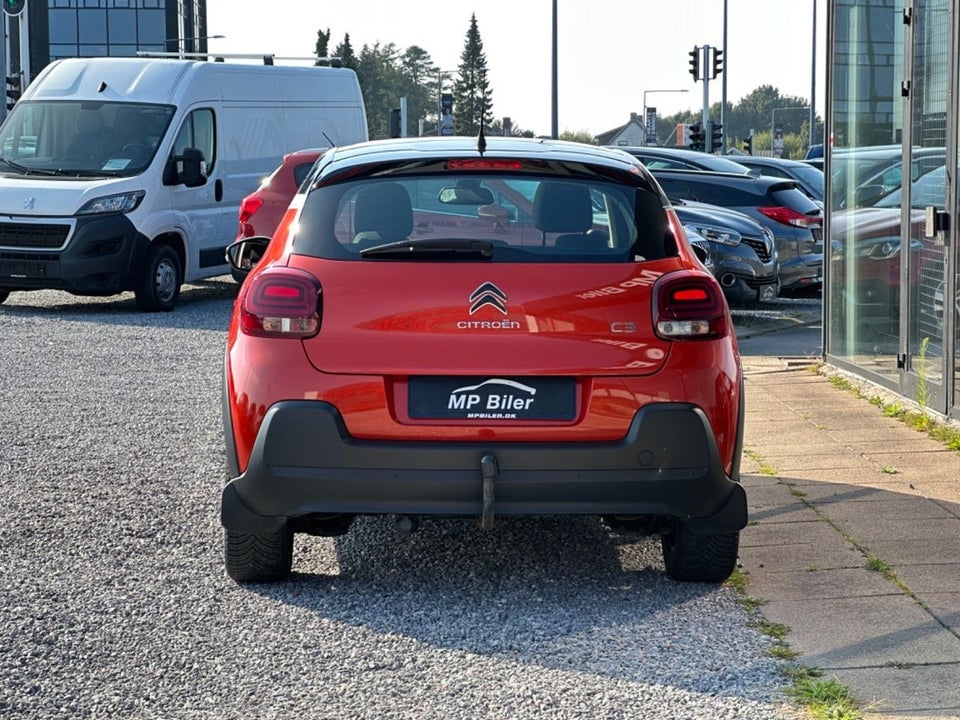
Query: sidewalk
x=832 y=484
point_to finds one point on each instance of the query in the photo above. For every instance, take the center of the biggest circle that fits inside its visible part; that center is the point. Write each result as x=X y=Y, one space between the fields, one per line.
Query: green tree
x=472 y=95
x=378 y=71
x=344 y=51
x=418 y=73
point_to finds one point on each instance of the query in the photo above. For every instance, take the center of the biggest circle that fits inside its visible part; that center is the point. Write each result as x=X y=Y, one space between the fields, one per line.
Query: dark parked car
x=743 y=253
x=807 y=176
x=861 y=176
x=677 y=158
x=447 y=327
x=795 y=220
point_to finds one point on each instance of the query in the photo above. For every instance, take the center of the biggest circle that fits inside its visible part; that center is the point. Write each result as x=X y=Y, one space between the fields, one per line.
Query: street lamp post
x=651 y=92
x=813 y=81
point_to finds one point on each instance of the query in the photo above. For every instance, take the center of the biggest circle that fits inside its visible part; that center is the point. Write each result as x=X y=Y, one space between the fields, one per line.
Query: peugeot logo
x=29 y=203
x=488 y=294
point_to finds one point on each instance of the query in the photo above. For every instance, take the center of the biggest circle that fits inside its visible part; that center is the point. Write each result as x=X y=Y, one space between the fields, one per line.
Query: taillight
x=689 y=307
x=281 y=302
x=789 y=216
x=248 y=207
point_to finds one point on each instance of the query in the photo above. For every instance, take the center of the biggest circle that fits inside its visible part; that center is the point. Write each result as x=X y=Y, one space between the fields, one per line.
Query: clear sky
x=609 y=52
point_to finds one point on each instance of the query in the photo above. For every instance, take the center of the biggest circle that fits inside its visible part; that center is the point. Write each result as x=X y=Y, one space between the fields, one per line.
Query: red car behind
x=262 y=210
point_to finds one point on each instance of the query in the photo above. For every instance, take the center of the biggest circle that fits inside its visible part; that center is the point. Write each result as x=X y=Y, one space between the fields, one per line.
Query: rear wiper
x=484 y=248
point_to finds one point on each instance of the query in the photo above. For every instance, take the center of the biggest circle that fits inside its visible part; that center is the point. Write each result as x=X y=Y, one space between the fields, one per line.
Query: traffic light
x=14 y=7
x=695 y=62
x=716 y=137
x=13 y=88
x=395 y=123
x=696 y=137
x=717 y=62
x=748 y=145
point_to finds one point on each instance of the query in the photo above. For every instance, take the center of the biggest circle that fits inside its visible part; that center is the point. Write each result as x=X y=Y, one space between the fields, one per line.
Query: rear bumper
x=305 y=462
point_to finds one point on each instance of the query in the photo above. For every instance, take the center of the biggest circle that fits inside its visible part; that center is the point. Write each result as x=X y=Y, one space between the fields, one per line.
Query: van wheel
x=4 y=294
x=699 y=558
x=160 y=285
x=258 y=558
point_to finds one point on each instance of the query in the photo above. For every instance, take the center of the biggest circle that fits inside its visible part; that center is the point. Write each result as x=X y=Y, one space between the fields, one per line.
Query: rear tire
x=258 y=558
x=160 y=283
x=699 y=558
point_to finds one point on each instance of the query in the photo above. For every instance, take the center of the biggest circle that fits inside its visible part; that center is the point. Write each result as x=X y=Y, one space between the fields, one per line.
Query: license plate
x=492 y=398
x=15 y=269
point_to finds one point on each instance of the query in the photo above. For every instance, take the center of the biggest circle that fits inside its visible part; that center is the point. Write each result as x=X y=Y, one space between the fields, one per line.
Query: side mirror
x=193 y=173
x=244 y=254
x=868 y=194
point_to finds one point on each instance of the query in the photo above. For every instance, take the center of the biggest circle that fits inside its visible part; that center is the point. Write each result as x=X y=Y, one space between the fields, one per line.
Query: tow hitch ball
x=488 y=466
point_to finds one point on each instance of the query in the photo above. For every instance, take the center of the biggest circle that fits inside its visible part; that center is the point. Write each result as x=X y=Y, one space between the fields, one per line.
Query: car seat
x=89 y=140
x=382 y=213
x=566 y=208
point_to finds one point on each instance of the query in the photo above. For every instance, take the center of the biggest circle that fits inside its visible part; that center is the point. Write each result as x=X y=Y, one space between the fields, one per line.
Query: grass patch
x=825 y=699
x=765 y=469
x=889 y=470
x=782 y=651
x=774 y=630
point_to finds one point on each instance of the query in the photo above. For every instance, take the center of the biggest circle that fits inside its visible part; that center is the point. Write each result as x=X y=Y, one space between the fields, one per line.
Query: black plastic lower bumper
x=103 y=257
x=304 y=461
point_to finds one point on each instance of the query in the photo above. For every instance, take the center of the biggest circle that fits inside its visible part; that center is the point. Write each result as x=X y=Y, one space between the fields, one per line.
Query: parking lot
x=115 y=603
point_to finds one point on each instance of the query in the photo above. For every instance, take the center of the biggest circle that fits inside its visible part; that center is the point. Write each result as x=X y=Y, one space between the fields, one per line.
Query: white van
x=121 y=174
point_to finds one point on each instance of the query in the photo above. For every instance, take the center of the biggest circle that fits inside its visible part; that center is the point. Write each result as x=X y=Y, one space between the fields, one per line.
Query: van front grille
x=40 y=236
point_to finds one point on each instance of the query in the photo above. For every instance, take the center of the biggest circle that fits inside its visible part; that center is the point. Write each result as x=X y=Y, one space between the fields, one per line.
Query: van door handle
x=218 y=189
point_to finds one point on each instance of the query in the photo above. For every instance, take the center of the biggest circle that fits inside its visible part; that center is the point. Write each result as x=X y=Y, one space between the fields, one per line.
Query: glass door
x=924 y=228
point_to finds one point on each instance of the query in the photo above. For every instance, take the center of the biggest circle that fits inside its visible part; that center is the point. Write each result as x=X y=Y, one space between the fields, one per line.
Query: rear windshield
x=523 y=218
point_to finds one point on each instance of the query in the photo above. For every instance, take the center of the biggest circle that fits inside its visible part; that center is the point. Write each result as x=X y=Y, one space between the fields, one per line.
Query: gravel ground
x=114 y=602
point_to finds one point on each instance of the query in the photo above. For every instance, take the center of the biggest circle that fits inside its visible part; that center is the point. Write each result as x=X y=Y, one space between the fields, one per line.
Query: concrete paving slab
x=870 y=476
x=819 y=491
x=797 y=557
x=787 y=464
x=907 y=551
x=903 y=693
x=945 y=607
x=819 y=584
x=883 y=507
x=863 y=631
x=792 y=513
x=931 y=578
x=910 y=532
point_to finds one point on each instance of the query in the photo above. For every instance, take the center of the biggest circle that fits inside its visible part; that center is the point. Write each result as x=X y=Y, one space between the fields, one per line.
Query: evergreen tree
x=472 y=95
x=378 y=70
x=345 y=52
x=418 y=74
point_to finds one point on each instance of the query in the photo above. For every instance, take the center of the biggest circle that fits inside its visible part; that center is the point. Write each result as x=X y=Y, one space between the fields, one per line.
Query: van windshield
x=81 y=138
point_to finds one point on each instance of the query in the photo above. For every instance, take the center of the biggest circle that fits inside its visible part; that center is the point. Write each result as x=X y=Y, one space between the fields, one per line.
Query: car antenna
x=332 y=143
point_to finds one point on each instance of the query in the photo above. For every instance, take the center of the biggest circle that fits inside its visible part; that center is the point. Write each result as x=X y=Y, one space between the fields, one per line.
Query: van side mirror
x=193 y=173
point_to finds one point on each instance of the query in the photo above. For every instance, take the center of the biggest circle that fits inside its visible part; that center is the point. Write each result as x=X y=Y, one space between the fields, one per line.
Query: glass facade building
x=891 y=297
x=97 y=28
